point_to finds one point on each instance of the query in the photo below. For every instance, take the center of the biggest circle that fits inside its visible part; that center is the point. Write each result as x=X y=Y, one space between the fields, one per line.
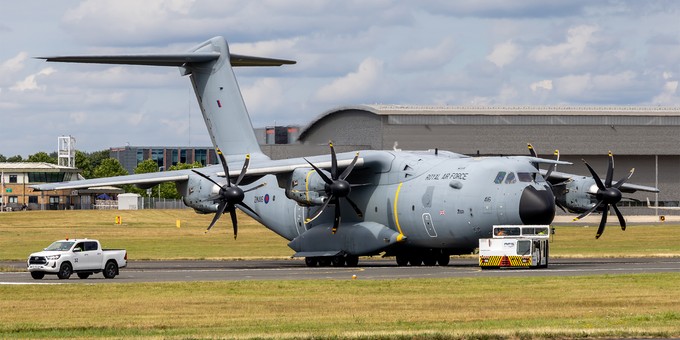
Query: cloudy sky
x=463 y=52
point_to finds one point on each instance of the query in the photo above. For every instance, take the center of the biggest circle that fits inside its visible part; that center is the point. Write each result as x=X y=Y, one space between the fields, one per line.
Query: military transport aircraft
x=419 y=206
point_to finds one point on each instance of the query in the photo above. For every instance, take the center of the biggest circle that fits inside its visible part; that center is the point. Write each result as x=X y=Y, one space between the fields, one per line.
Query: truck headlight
x=52 y=257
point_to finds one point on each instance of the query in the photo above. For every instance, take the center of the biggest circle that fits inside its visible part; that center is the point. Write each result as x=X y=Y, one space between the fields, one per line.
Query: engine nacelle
x=195 y=190
x=306 y=187
x=577 y=195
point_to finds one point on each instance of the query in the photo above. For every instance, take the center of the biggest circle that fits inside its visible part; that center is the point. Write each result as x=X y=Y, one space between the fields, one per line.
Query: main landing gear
x=428 y=258
x=335 y=261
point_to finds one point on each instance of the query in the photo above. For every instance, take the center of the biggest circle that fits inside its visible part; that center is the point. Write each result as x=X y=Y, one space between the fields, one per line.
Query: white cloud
x=546 y=84
x=31 y=82
x=574 y=52
x=504 y=53
x=355 y=85
x=265 y=95
x=428 y=58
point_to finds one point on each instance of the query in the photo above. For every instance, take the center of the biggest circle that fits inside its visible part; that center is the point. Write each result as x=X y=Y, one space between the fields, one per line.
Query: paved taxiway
x=371 y=269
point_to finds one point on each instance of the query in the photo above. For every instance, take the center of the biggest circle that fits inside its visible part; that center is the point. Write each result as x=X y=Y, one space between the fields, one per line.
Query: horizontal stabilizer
x=167 y=59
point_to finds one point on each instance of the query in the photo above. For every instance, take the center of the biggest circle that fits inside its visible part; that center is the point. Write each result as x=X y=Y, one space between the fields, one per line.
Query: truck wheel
x=84 y=275
x=65 y=271
x=37 y=275
x=110 y=270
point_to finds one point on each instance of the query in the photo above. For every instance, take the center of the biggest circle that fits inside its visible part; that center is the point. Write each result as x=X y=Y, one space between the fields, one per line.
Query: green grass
x=146 y=234
x=644 y=305
x=597 y=306
x=152 y=234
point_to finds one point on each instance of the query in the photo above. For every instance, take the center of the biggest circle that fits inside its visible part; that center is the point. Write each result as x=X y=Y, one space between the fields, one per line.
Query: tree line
x=99 y=164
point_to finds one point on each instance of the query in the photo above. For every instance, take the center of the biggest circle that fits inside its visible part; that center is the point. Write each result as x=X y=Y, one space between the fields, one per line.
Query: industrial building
x=646 y=138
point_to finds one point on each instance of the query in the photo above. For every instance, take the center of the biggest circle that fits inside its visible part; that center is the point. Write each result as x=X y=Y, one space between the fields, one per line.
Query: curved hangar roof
x=499 y=129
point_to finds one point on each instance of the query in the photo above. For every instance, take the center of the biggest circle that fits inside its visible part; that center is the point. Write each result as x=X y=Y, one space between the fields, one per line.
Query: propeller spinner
x=607 y=195
x=230 y=194
x=336 y=187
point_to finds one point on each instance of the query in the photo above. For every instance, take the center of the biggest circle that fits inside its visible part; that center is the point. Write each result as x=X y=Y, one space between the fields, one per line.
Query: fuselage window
x=524 y=177
x=511 y=178
x=499 y=177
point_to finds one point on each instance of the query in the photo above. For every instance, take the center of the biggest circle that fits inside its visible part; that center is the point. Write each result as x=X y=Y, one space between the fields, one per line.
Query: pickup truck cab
x=81 y=256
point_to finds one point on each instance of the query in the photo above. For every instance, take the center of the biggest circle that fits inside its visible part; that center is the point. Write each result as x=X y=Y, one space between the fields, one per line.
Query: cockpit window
x=511 y=178
x=524 y=177
x=499 y=177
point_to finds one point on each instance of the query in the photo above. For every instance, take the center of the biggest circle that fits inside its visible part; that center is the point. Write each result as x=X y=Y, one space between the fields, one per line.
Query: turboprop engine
x=306 y=187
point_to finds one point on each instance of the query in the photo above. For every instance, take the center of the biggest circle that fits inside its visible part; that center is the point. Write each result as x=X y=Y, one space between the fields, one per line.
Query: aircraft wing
x=560 y=177
x=148 y=179
x=257 y=169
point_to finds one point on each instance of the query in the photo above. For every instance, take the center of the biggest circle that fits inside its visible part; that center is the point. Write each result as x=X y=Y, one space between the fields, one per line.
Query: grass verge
x=538 y=307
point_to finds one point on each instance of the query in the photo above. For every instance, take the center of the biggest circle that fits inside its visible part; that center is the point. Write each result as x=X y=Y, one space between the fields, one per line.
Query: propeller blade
x=559 y=205
x=249 y=209
x=622 y=221
x=318 y=171
x=318 y=212
x=610 y=171
x=220 y=211
x=595 y=176
x=531 y=150
x=349 y=168
x=206 y=177
x=603 y=221
x=355 y=207
x=336 y=221
x=625 y=179
x=255 y=187
x=232 y=212
x=588 y=212
x=243 y=170
x=334 y=162
x=224 y=166
x=553 y=166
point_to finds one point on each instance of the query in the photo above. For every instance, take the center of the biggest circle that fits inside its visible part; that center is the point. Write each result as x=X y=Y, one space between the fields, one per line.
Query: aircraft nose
x=536 y=207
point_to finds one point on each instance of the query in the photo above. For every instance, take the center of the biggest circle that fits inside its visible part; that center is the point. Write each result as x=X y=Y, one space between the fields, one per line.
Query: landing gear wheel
x=311 y=261
x=111 y=270
x=338 y=261
x=84 y=276
x=402 y=260
x=430 y=259
x=444 y=260
x=324 y=261
x=37 y=275
x=352 y=261
x=65 y=271
x=415 y=260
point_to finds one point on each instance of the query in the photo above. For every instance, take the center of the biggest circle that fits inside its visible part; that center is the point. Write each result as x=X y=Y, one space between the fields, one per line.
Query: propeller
x=230 y=194
x=607 y=195
x=550 y=170
x=336 y=188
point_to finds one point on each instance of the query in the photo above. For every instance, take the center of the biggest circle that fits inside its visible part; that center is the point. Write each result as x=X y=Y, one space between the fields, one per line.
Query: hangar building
x=646 y=138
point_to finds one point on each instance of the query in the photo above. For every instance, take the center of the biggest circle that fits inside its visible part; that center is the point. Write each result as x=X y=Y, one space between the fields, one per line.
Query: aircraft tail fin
x=209 y=66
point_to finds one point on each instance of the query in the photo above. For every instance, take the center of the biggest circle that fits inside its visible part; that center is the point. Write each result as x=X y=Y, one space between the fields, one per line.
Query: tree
x=109 y=167
x=41 y=157
x=3 y=158
x=84 y=163
x=97 y=157
x=169 y=189
x=15 y=159
x=145 y=167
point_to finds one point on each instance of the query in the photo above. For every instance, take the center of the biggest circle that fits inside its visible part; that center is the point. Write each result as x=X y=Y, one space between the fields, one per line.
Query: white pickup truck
x=81 y=256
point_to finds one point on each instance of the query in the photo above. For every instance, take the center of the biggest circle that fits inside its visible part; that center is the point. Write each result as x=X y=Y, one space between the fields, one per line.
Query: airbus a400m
x=420 y=206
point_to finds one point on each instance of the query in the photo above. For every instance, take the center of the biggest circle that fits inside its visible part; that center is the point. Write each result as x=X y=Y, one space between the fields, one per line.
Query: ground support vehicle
x=81 y=256
x=516 y=246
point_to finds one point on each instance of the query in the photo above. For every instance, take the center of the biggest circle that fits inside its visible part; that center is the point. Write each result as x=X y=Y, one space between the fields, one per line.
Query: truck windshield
x=60 y=246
